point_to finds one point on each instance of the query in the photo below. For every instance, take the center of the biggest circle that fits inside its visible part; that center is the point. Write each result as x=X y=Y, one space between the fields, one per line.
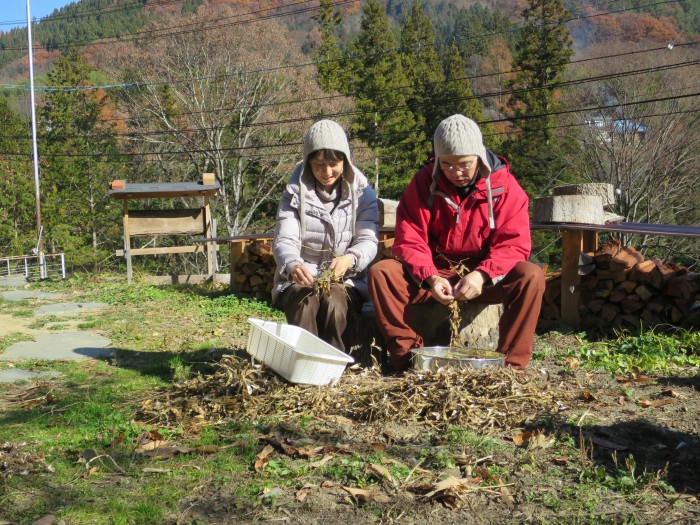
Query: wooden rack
x=192 y=221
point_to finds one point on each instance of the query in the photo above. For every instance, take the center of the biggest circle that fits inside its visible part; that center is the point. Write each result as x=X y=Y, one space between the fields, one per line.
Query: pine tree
x=190 y=6
x=457 y=96
x=542 y=56
x=423 y=69
x=328 y=56
x=17 y=196
x=77 y=148
x=383 y=119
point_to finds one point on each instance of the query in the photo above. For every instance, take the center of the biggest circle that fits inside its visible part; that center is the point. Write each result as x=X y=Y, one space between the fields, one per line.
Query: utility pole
x=35 y=155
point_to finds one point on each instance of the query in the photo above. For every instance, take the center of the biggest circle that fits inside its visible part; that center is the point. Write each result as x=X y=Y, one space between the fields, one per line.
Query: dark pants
x=325 y=316
x=392 y=289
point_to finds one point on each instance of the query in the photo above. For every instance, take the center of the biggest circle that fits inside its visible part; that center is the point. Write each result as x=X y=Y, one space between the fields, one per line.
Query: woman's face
x=326 y=172
x=459 y=169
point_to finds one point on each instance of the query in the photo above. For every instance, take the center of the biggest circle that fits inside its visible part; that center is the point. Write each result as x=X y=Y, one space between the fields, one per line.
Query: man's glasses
x=461 y=167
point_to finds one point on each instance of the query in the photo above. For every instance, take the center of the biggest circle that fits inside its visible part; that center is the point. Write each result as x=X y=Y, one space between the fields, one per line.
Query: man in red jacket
x=462 y=210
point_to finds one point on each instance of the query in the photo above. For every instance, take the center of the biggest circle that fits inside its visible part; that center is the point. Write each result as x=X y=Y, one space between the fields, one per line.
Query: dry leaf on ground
x=363 y=496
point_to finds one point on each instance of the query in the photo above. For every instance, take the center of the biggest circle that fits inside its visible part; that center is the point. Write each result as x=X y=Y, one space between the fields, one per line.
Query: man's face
x=459 y=169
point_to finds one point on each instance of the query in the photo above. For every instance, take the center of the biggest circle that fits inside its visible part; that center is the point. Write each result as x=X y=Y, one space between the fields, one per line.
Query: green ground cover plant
x=644 y=353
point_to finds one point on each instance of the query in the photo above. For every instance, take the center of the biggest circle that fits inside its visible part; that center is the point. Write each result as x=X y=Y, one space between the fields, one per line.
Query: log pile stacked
x=621 y=288
x=255 y=270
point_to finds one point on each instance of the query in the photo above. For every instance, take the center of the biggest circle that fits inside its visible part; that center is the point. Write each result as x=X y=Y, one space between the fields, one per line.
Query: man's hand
x=470 y=286
x=342 y=264
x=441 y=288
x=301 y=275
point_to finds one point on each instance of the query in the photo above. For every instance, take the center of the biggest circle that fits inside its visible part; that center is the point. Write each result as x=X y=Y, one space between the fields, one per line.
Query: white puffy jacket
x=352 y=228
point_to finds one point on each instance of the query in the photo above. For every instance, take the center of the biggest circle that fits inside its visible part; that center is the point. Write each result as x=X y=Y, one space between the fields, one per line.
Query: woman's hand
x=301 y=275
x=342 y=264
x=470 y=286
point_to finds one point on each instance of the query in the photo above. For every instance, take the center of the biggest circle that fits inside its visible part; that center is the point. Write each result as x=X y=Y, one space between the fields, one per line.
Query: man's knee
x=379 y=273
x=530 y=275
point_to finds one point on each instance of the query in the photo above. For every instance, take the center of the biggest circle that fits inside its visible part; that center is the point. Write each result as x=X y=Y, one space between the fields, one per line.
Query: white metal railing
x=40 y=266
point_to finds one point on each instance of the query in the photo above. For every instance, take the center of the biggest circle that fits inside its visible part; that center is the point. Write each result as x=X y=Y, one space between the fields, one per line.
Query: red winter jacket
x=426 y=237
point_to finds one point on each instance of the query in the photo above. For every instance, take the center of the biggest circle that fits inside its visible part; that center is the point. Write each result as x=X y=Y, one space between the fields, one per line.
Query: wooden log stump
x=478 y=329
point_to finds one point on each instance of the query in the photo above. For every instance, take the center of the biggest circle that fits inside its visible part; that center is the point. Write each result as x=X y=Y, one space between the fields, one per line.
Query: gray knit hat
x=326 y=134
x=459 y=135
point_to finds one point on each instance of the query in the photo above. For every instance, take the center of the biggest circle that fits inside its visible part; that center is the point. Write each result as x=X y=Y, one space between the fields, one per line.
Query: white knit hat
x=459 y=135
x=326 y=134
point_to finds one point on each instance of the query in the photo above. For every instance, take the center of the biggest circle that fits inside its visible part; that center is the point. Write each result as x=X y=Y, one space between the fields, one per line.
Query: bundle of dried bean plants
x=485 y=400
x=324 y=282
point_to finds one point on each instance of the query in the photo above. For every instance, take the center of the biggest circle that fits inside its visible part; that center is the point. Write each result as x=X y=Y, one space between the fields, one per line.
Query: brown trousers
x=392 y=289
x=325 y=316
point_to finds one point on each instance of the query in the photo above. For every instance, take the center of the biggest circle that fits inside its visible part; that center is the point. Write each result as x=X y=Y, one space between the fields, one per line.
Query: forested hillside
x=164 y=90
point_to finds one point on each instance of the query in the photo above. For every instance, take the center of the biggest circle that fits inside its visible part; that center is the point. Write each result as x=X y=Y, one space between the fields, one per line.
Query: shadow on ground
x=639 y=448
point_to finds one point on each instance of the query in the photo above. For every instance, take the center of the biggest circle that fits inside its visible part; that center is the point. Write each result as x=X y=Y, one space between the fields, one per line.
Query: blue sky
x=13 y=13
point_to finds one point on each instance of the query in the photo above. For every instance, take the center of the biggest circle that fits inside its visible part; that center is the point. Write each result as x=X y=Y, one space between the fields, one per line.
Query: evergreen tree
x=191 y=6
x=543 y=53
x=470 y=33
x=476 y=28
x=78 y=217
x=383 y=119
x=17 y=196
x=327 y=55
x=423 y=69
x=457 y=95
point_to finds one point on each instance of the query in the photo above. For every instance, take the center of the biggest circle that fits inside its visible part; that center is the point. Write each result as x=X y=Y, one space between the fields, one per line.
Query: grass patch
x=8 y=340
x=476 y=443
x=45 y=320
x=82 y=423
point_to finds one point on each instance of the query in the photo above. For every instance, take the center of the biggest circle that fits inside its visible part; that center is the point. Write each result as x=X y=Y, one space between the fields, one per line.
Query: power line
x=127 y=85
x=563 y=84
x=437 y=44
x=399 y=134
x=480 y=96
x=109 y=9
x=329 y=97
x=180 y=29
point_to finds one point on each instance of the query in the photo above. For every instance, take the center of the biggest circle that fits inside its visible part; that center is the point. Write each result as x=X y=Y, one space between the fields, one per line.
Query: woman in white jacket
x=328 y=217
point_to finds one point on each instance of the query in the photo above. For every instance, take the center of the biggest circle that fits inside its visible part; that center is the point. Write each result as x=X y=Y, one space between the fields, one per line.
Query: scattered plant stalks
x=461 y=270
x=324 y=282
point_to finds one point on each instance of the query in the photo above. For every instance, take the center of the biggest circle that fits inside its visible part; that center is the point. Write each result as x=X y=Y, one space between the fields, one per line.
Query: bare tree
x=642 y=135
x=214 y=93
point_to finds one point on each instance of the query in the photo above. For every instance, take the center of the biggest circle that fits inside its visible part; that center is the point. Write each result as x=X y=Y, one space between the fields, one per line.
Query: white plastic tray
x=295 y=354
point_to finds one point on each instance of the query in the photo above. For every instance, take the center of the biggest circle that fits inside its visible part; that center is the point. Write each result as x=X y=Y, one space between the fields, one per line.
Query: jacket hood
x=490 y=163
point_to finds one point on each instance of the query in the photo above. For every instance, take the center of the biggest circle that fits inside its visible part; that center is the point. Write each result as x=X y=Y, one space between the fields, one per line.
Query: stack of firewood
x=255 y=270
x=621 y=288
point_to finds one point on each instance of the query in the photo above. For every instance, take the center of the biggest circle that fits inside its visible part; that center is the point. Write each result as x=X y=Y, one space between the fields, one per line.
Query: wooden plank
x=167 y=222
x=572 y=246
x=164 y=190
x=590 y=241
x=127 y=241
x=671 y=230
x=211 y=254
x=236 y=249
x=164 y=250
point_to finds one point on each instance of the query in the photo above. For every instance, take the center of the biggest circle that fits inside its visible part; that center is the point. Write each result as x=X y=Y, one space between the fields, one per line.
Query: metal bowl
x=434 y=357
